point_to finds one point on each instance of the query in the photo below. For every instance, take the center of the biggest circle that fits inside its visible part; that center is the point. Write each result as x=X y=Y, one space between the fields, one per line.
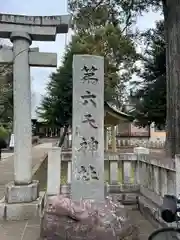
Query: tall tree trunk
x=172 y=26
x=62 y=137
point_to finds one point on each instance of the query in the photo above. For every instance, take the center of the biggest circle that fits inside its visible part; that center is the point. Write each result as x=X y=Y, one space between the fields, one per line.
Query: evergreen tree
x=95 y=33
x=151 y=93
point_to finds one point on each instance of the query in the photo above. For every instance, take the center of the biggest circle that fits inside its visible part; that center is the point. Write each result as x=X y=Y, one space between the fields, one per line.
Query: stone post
x=140 y=151
x=156 y=180
x=171 y=183
x=54 y=171
x=113 y=172
x=127 y=172
x=163 y=182
x=106 y=140
x=69 y=173
x=22 y=109
x=113 y=129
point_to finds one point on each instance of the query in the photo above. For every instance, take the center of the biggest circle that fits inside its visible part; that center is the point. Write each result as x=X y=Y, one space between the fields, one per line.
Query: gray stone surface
x=22 y=193
x=126 y=192
x=149 y=194
x=151 y=212
x=22 y=108
x=114 y=172
x=41 y=28
x=145 y=227
x=67 y=219
x=39 y=153
x=123 y=188
x=42 y=59
x=21 y=42
x=30 y=230
x=36 y=58
x=22 y=30
x=127 y=172
x=54 y=171
x=88 y=123
x=31 y=20
x=21 y=211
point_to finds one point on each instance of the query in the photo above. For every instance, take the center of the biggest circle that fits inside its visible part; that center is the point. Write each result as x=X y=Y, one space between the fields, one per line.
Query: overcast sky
x=53 y=7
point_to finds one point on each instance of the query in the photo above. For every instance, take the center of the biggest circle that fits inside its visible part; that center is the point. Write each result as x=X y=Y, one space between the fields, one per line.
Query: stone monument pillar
x=22 y=109
x=88 y=128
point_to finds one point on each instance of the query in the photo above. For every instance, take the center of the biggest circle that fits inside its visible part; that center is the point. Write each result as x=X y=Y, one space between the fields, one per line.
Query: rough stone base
x=22 y=193
x=22 y=211
x=67 y=219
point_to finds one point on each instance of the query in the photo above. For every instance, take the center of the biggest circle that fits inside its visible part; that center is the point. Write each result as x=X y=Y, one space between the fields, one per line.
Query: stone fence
x=140 y=143
x=126 y=143
x=151 y=179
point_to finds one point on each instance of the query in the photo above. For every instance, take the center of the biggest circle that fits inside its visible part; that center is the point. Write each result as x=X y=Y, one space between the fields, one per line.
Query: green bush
x=3 y=138
x=4 y=133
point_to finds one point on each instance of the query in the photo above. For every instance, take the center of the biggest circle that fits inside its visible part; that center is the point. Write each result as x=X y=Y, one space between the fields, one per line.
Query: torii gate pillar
x=22 y=196
x=22 y=109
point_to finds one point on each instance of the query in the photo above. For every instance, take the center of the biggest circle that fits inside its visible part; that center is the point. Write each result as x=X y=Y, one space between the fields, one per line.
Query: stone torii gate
x=22 y=30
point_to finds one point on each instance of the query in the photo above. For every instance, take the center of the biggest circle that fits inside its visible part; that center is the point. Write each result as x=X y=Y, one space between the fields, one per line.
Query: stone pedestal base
x=23 y=193
x=67 y=219
x=22 y=211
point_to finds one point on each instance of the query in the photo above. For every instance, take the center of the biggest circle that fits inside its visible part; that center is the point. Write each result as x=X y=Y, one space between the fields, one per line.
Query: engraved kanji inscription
x=93 y=172
x=87 y=173
x=83 y=144
x=89 y=97
x=88 y=144
x=83 y=174
x=89 y=119
x=93 y=144
x=89 y=74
